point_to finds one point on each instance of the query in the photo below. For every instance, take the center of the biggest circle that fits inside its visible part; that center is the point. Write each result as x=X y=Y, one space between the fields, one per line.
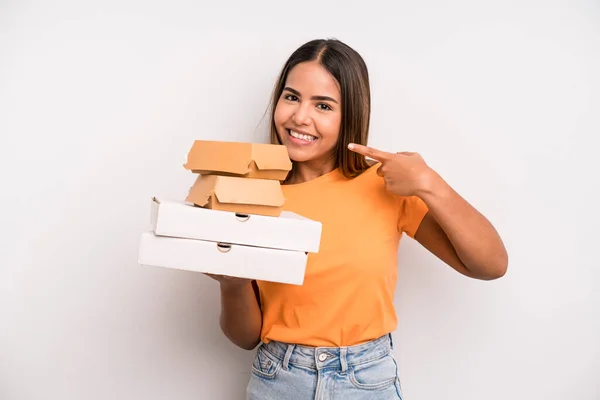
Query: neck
x=306 y=171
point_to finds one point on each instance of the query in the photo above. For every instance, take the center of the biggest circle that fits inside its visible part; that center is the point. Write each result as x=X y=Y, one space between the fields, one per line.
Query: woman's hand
x=230 y=282
x=405 y=174
x=241 y=316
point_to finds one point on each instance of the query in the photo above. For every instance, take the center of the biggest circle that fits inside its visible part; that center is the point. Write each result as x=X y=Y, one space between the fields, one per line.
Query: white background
x=100 y=102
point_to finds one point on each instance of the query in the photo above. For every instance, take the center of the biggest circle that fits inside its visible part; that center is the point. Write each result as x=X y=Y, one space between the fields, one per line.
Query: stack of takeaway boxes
x=232 y=221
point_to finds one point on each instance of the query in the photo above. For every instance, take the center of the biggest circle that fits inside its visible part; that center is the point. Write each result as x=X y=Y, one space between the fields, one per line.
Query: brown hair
x=350 y=71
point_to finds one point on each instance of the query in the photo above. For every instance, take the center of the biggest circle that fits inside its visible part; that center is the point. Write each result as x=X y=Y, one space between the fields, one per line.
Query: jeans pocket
x=265 y=365
x=375 y=375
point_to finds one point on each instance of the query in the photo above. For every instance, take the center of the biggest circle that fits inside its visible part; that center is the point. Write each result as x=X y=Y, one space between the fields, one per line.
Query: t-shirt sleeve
x=410 y=215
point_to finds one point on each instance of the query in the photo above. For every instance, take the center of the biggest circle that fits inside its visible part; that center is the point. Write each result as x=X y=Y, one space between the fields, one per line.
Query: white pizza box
x=259 y=263
x=289 y=231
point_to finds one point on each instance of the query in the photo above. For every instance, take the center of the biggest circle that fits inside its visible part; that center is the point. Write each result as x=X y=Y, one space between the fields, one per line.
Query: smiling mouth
x=301 y=136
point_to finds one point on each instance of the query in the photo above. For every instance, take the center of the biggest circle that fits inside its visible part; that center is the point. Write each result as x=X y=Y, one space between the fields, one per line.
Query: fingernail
x=351 y=146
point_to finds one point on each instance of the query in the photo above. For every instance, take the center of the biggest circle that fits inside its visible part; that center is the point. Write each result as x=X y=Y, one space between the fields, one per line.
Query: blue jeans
x=291 y=372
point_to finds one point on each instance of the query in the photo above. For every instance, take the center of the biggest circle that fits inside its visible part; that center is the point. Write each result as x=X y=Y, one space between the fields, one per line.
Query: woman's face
x=308 y=113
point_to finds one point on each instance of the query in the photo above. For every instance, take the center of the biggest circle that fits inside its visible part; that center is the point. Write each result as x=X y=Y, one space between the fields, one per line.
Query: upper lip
x=301 y=132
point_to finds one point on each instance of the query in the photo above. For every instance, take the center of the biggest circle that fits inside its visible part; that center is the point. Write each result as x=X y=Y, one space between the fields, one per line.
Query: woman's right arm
x=241 y=317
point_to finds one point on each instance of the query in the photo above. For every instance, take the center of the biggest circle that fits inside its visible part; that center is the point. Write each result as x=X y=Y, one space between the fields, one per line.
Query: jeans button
x=322 y=357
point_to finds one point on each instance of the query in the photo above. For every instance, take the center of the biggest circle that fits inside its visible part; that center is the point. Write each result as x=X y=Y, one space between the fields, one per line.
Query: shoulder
x=369 y=174
x=369 y=182
x=371 y=186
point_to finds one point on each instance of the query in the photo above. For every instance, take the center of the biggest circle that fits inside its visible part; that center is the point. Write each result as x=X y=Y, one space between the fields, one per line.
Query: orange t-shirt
x=348 y=293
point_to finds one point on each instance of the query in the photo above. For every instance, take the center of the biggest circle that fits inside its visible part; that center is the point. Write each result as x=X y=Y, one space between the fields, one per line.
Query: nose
x=302 y=115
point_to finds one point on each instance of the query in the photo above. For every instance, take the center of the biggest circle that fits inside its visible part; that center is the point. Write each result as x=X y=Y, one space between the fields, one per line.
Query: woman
x=331 y=337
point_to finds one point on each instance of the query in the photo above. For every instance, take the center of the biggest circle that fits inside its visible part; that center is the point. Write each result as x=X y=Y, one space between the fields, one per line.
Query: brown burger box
x=241 y=159
x=238 y=195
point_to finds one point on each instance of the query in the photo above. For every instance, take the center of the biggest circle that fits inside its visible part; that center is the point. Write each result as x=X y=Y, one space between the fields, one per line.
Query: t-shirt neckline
x=332 y=175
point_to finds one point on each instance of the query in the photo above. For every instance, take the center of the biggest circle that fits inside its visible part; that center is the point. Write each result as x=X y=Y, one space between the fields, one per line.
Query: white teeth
x=302 y=136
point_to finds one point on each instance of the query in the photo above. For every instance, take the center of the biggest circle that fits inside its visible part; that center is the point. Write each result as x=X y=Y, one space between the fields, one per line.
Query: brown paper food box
x=248 y=160
x=239 y=195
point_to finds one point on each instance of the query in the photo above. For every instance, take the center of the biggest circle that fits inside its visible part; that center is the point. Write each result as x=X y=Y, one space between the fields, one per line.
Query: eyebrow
x=322 y=98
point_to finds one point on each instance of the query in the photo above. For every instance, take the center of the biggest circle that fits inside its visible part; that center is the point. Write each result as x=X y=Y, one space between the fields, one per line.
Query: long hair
x=350 y=71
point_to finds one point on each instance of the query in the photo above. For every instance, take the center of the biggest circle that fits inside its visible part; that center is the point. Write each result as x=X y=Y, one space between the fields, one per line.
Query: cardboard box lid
x=236 y=190
x=236 y=157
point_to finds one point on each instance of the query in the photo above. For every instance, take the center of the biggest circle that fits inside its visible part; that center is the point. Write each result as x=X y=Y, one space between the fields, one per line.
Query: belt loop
x=288 y=354
x=391 y=341
x=343 y=359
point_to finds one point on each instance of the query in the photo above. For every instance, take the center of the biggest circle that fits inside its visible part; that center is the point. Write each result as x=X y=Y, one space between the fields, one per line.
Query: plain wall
x=99 y=103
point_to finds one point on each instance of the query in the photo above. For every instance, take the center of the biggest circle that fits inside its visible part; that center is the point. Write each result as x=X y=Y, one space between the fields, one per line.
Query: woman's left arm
x=457 y=233
x=453 y=230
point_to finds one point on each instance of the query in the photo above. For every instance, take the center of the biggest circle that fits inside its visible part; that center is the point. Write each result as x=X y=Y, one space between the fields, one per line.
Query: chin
x=299 y=157
x=296 y=154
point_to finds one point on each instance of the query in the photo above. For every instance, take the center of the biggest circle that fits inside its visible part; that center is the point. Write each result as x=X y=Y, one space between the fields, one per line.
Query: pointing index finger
x=370 y=152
